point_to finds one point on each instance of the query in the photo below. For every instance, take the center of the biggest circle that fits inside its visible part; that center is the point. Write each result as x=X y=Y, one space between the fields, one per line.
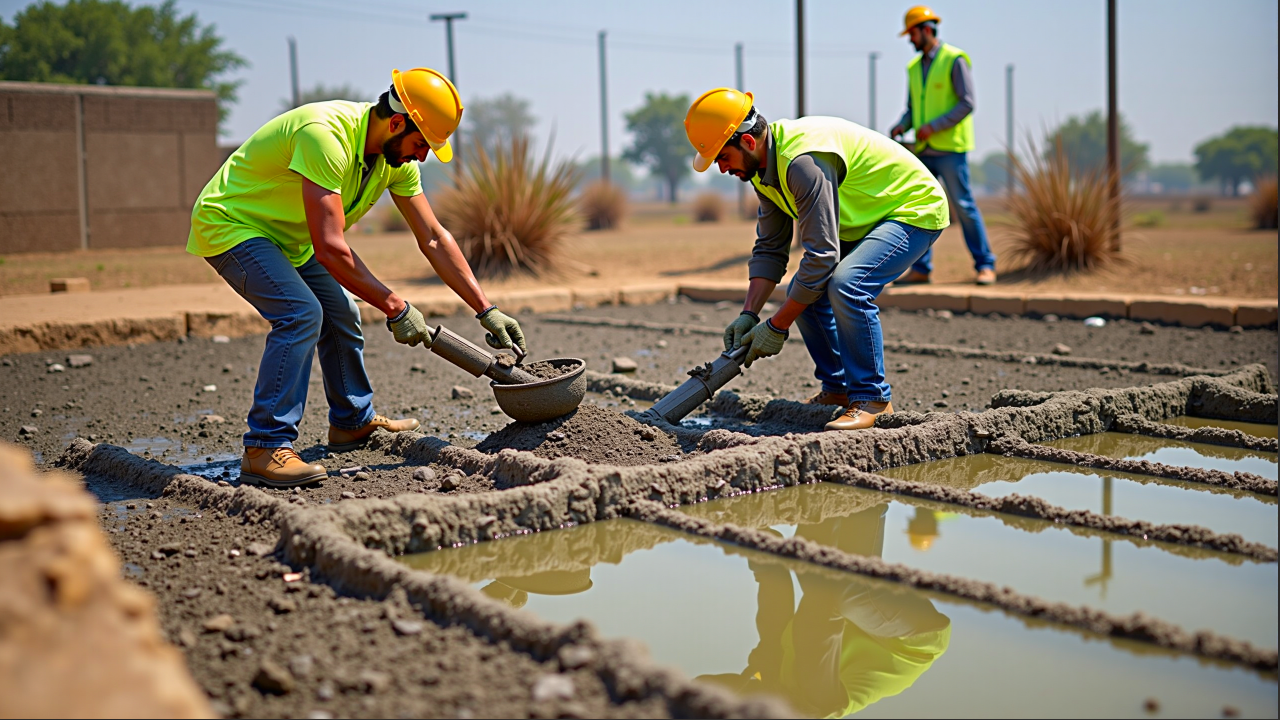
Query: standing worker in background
x=271 y=223
x=866 y=209
x=940 y=108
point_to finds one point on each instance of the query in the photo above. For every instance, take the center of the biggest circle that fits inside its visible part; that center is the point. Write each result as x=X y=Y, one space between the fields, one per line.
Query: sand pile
x=589 y=433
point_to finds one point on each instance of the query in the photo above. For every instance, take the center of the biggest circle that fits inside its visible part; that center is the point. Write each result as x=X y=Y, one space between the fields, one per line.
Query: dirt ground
x=1182 y=253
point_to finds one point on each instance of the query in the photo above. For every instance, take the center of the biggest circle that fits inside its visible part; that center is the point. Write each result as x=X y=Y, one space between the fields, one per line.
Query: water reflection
x=1256 y=429
x=1172 y=452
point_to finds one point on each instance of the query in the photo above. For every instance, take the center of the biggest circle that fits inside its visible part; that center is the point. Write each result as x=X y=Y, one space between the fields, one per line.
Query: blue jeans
x=307 y=310
x=842 y=329
x=953 y=170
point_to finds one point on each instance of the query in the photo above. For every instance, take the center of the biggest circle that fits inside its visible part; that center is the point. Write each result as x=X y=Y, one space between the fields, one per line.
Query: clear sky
x=1188 y=69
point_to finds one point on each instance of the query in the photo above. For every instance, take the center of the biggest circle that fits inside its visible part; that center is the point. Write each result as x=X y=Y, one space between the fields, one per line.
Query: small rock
x=7 y=362
x=221 y=339
x=1061 y=349
x=212 y=419
x=461 y=393
x=273 y=679
x=573 y=657
x=424 y=474
x=1029 y=360
x=1050 y=318
x=351 y=470
x=1095 y=322
x=170 y=548
x=1236 y=330
x=192 y=593
x=941 y=403
x=418 y=367
x=943 y=315
x=55 y=368
x=219 y=623
x=326 y=691
x=624 y=365
x=1147 y=329
x=186 y=638
x=372 y=681
x=406 y=627
x=555 y=436
x=301 y=665
x=662 y=343
x=495 y=410
x=361 y=476
x=28 y=430
x=260 y=548
x=282 y=606
x=227 y=368
x=157 y=555
x=1104 y=370
x=210 y=388
x=903 y=367
x=37 y=412
x=450 y=482
x=965 y=381
x=552 y=687
x=79 y=361
x=348 y=495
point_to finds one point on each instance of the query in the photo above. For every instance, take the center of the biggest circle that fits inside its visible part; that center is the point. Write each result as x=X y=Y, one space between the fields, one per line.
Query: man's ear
x=395 y=124
x=749 y=143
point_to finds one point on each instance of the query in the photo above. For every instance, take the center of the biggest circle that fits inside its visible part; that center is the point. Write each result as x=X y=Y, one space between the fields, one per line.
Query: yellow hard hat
x=921 y=541
x=432 y=102
x=917 y=15
x=714 y=118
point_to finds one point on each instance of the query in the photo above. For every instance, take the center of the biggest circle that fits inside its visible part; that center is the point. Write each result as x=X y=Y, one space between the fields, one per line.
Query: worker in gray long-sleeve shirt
x=866 y=208
x=940 y=108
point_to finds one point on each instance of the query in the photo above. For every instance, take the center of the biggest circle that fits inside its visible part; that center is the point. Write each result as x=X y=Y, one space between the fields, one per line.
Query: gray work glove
x=503 y=329
x=409 y=327
x=764 y=340
x=735 y=330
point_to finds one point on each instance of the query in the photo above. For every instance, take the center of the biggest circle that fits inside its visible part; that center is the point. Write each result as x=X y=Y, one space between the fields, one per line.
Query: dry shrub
x=508 y=212
x=392 y=220
x=1263 y=203
x=603 y=204
x=708 y=207
x=1061 y=224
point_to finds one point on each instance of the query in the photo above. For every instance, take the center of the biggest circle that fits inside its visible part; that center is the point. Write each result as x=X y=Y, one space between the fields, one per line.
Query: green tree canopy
x=323 y=92
x=107 y=42
x=658 y=140
x=497 y=121
x=1085 y=143
x=1242 y=153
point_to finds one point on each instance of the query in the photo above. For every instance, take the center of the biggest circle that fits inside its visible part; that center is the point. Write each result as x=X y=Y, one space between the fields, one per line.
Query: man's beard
x=750 y=168
x=393 y=151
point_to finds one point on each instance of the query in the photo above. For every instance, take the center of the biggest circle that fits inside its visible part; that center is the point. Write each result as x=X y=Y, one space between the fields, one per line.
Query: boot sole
x=347 y=446
x=279 y=485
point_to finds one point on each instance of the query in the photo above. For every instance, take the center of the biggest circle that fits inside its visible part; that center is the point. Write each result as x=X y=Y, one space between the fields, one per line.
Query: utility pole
x=737 y=77
x=604 y=115
x=448 y=19
x=871 y=90
x=1113 y=127
x=799 y=58
x=293 y=71
x=1008 y=127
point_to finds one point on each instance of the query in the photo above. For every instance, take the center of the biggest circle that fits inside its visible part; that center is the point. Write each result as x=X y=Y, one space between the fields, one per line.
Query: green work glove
x=735 y=330
x=409 y=327
x=502 y=329
x=765 y=341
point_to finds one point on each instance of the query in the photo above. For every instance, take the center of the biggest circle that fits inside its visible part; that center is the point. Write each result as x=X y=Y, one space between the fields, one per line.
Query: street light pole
x=799 y=58
x=871 y=90
x=448 y=19
x=1008 y=126
x=1113 y=127
x=604 y=116
x=293 y=71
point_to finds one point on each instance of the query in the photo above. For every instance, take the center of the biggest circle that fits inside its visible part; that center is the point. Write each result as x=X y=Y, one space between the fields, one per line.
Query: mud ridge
x=1214 y=400
x=1034 y=507
x=1207 y=435
x=1018 y=447
x=1137 y=626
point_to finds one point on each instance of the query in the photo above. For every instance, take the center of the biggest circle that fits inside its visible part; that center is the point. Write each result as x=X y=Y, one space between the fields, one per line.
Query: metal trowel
x=701 y=386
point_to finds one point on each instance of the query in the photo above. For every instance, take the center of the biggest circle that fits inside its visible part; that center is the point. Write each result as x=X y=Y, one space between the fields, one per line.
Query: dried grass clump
x=509 y=213
x=708 y=207
x=1263 y=203
x=603 y=204
x=1061 y=224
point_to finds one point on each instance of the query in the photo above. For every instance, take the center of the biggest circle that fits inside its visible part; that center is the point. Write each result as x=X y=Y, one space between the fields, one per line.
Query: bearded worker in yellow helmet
x=865 y=208
x=271 y=223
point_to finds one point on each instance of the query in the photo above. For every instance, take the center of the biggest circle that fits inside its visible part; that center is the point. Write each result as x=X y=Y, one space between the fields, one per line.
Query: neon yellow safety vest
x=934 y=97
x=882 y=179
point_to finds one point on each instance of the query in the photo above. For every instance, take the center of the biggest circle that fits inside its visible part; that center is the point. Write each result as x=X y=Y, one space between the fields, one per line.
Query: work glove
x=740 y=326
x=503 y=330
x=409 y=327
x=764 y=340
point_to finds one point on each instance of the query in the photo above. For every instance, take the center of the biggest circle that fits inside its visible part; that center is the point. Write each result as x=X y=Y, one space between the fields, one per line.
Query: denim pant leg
x=953 y=171
x=878 y=259
x=341 y=350
x=260 y=273
x=817 y=325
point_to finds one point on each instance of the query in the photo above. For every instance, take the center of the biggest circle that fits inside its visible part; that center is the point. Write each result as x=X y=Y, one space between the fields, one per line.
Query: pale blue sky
x=1187 y=69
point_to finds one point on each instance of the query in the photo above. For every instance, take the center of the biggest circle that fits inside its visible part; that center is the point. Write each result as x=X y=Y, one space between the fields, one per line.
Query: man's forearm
x=758 y=293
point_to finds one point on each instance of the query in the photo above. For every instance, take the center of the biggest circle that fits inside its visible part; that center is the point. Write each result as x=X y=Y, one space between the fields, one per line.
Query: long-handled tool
x=476 y=360
x=701 y=386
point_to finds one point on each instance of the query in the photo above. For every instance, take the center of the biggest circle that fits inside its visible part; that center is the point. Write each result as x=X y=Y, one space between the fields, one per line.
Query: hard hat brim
x=700 y=163
x=443 y=151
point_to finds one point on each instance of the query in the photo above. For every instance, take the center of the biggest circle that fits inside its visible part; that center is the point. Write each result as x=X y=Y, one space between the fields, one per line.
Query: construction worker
x=866 y=209
x=940 y=108
x=271 y=223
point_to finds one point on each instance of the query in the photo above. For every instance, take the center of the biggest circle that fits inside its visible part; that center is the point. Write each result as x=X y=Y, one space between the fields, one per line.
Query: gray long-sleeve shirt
x=814 y=179
x=961 y=82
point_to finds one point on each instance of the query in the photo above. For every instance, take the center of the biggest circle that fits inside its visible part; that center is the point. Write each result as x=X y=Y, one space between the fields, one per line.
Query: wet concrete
x=1256 y=429
x=830 y=643
x=1250 y=515
x=1030 y=556
x=1172 y=452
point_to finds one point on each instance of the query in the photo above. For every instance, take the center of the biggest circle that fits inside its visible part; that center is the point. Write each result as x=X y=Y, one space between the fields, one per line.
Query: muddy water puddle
x=758 y=623
x=1172 y=452
x=1258 y=429
x=1194 y=588
x=1136 y=497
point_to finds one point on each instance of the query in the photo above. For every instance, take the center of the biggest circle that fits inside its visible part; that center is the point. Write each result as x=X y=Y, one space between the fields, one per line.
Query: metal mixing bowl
x=546 y=399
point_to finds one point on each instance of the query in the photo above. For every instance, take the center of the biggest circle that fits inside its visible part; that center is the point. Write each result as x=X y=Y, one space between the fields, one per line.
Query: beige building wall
x=85 y=166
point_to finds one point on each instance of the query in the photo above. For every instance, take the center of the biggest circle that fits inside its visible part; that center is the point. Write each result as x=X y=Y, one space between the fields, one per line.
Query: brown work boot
x=913 y=277
x=986 y=276
x=277 y=468
x=343 y=440
x=860 y=415
x=822 y=397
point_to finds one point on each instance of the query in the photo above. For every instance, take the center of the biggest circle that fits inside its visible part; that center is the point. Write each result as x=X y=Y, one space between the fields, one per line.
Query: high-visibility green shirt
x=934 y=96
x=258 y=190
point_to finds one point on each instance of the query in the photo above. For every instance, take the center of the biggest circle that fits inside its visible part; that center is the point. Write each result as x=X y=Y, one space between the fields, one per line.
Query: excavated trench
x=425 y=573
